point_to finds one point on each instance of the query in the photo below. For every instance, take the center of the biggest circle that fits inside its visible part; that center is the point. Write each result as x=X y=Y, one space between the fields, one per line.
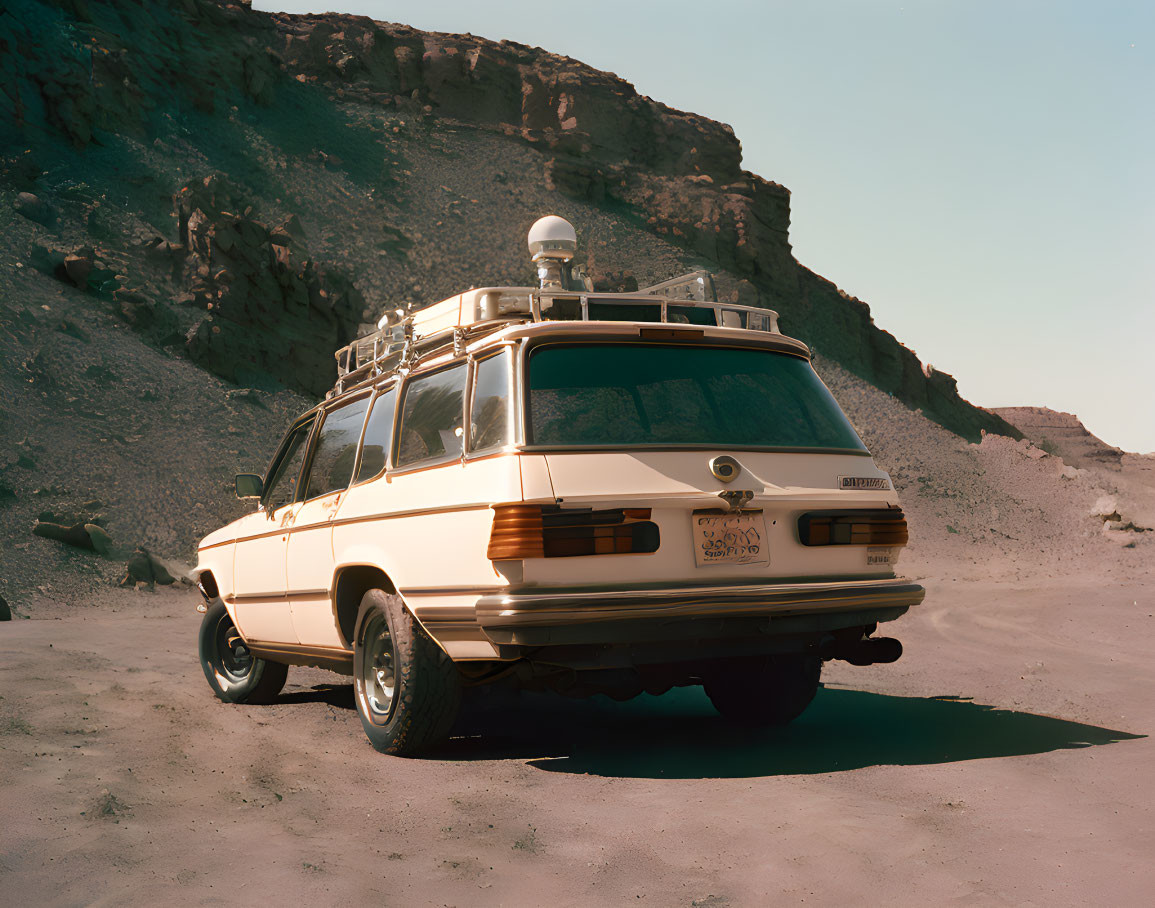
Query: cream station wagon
x=587 y=492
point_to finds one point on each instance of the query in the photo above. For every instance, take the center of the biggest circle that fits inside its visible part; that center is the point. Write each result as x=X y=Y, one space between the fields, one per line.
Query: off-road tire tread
x=265 y=682
x=428 y=684
x=773 y=690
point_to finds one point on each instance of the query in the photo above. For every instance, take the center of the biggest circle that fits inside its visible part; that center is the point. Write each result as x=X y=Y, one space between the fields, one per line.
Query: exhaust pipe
x=863 y=650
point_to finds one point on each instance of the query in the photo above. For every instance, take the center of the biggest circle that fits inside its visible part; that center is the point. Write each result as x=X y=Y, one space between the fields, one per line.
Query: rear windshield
x=623 y=395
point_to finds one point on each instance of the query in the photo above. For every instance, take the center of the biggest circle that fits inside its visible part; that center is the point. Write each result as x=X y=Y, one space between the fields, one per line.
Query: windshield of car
x=623 y=395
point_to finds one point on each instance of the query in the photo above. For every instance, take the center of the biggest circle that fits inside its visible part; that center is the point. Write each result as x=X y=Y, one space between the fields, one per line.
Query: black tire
x=235 y=674
x=408 y=692
x=770 y=690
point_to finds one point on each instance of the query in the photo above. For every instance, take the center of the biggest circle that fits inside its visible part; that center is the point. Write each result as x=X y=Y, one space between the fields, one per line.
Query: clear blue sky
x=981 y=172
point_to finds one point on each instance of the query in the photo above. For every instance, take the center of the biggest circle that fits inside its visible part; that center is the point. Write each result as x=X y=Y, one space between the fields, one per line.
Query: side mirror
x=249 y=485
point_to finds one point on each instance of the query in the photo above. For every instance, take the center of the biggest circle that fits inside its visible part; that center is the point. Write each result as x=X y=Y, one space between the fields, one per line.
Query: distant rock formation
x=1064 y=435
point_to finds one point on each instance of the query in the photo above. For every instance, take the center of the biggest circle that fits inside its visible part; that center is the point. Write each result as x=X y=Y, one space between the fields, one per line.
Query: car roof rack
x=403 y=335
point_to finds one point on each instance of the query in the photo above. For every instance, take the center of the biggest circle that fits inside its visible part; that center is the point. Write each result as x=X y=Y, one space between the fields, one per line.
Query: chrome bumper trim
x=544 y=608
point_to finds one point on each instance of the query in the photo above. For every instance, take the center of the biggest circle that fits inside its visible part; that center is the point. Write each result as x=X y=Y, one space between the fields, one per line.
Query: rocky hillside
x=121 y=103
x=199 y=202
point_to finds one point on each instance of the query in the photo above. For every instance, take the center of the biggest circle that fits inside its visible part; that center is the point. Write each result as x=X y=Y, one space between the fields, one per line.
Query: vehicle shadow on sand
x=338 y=695
x=679 y=736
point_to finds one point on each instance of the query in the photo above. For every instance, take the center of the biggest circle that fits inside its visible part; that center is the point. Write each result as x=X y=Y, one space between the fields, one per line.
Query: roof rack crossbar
x=396 y=345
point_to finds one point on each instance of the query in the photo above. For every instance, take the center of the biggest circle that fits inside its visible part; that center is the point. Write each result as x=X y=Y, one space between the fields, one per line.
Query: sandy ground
x=1004 y=760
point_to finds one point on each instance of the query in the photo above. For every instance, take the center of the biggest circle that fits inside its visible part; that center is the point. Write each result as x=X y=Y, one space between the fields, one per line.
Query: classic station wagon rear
x=590 y=493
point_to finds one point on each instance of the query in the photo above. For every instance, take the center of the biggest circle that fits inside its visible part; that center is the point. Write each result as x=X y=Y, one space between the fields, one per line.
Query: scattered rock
x=248 y=396
x=78 y=266
x=614 y=282
x=288 y=232
x=75 y=535
x=144 y=567
x=34 y=208
x=109 y=807
x=101 y=541
x=47 y=259
x=1106 y=508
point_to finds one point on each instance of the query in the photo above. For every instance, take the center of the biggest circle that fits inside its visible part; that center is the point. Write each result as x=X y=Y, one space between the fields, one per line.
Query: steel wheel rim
x=234 y=661
x=378 y=670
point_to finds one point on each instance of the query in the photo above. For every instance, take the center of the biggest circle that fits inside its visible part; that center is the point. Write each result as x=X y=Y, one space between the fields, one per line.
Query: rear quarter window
x=489 y=416
x=432 y=417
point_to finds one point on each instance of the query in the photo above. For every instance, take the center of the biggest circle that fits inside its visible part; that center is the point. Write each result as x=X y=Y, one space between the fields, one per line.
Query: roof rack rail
x=405 y=334
x=698 y=284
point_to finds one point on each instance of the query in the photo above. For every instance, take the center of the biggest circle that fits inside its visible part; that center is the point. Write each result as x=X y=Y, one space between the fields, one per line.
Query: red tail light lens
x=537 y=531
x=853 y=528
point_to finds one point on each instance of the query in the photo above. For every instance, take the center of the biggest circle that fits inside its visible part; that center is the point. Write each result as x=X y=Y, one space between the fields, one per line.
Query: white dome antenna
x=552 y=244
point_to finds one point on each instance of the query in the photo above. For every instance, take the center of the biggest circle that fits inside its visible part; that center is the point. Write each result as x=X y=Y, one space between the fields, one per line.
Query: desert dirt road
x=1002 y=761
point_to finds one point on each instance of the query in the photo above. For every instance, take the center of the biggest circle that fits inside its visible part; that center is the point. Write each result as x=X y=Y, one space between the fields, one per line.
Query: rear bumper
x=536 y=608
x=537 y=618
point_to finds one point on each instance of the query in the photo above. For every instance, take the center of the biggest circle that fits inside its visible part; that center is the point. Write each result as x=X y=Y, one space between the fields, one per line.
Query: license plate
x=730 y=539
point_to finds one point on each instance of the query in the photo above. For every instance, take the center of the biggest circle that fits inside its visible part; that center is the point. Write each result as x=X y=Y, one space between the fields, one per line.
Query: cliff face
x=132 y=99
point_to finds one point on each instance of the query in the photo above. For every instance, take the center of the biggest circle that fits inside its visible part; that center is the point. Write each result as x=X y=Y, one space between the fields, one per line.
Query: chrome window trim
x=319 y=427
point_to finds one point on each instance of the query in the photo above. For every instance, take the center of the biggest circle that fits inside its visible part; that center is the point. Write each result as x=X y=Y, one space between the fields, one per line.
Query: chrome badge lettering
x=867 y=483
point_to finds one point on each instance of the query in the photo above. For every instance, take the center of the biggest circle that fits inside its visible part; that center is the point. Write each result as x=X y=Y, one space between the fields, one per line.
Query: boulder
x=47 y=259
x=144 y=567
x=101 y=541
x=34 y=208
x=75 y=535
x=78 y=267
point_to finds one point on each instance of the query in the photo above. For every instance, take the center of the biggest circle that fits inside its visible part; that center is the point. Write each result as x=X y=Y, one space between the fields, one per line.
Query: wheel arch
x=350 y=583
x=206 y=582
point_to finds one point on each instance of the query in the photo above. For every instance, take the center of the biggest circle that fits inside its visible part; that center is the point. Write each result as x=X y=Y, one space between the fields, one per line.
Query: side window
x=378 y=434
x=281 y=486
x=489 y=415
x=336 y=448
x=432 y=411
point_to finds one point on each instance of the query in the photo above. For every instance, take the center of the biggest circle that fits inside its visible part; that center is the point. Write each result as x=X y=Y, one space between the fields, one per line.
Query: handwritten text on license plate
x=730 y=539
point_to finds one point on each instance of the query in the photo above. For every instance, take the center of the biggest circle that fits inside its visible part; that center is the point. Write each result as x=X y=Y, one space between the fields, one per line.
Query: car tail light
x=853 y=528
x=537 y=531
